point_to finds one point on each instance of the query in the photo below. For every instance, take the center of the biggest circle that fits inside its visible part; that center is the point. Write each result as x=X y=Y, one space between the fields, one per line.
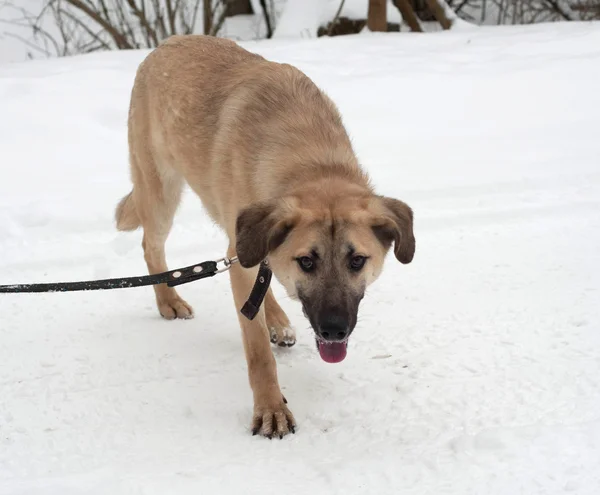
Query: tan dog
x=267 y=153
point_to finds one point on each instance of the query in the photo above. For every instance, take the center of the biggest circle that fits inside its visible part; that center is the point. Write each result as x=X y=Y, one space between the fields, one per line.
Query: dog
x=267 y=153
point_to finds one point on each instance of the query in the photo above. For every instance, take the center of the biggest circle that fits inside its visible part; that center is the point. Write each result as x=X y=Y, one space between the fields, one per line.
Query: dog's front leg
x=271 y=414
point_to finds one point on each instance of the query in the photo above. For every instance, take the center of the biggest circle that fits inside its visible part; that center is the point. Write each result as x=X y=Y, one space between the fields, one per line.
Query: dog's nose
x=334 y=327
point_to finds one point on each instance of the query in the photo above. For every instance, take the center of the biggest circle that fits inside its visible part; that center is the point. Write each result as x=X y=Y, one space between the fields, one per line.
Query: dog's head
x=325 y=249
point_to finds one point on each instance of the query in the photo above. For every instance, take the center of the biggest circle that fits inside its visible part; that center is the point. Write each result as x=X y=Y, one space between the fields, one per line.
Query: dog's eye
x=357 y=263
x=306 y=264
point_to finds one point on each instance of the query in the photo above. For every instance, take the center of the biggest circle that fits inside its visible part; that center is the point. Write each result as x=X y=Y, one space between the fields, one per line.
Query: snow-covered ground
x=473 y=370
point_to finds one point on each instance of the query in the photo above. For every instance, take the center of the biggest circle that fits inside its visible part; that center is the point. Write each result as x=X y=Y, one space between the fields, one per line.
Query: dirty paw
x=283 y=337
x=276 y=421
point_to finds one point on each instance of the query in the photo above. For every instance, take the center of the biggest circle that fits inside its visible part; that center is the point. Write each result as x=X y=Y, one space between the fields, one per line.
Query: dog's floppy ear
x=261 y=228
x=395 y=224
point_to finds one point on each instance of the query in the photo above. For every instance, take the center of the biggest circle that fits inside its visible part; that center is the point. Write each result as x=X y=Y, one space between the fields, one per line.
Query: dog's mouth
x=332 y=352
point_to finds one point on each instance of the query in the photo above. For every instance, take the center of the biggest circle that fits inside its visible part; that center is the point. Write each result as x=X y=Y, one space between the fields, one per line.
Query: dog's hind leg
x=156 y=196
x=280 y=330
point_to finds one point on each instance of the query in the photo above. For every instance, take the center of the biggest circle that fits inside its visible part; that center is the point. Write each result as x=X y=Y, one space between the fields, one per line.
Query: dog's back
x=213 y=112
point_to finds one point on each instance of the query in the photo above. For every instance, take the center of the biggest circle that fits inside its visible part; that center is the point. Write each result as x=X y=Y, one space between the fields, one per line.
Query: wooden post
x=408 y=15
x=377 y=17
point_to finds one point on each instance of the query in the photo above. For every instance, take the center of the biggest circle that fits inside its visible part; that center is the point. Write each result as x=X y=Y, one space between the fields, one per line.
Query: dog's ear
x=260 y=229
x=395 y=224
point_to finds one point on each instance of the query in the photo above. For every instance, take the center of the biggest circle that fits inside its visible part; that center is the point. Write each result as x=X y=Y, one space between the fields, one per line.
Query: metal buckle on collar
x=227 y=262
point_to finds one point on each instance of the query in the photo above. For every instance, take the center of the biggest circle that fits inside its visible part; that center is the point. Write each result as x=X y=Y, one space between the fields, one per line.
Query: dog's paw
x=175 y=308
x=273 y=421
x=283 y=337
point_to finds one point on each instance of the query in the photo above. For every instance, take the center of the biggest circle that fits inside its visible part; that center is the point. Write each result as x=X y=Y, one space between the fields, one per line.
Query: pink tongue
x=333 y=353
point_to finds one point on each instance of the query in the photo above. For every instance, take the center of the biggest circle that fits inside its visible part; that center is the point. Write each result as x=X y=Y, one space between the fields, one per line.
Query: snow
x=473 y=370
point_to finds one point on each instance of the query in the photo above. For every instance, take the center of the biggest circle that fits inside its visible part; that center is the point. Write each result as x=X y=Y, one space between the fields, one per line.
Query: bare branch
x=28 y=43
x=265 y=10
x=170 y=16
x=143 y=21
x=118 y=37
x=160 y=20
x=335 y=18
x=216 y=27
x=95 y=36
x=194 y=16
x=558 y=8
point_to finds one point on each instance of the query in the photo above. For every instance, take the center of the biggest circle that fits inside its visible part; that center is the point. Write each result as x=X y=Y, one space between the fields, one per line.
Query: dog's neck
x=347 y=177
x=330 y=186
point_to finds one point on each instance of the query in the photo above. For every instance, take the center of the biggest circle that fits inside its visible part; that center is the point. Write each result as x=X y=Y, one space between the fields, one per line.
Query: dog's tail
x=126 y=215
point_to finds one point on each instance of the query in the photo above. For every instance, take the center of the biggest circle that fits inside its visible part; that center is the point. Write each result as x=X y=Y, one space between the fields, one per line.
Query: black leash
x=172 y=278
